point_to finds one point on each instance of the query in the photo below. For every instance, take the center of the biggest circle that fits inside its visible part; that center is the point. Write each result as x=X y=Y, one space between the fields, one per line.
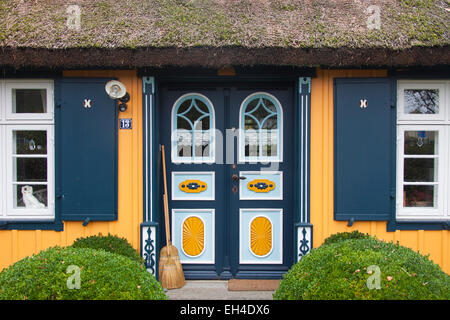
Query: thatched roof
x=136 y=33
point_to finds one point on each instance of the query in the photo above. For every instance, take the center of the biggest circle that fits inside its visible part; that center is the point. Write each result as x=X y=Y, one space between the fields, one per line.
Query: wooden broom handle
x=165 y=198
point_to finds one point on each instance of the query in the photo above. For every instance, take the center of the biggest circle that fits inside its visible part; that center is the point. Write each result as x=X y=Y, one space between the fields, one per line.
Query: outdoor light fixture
x=116 y=90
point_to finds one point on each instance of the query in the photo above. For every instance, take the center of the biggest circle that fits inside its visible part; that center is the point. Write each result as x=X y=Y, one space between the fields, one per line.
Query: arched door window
x=193 y=129
x=260 y=138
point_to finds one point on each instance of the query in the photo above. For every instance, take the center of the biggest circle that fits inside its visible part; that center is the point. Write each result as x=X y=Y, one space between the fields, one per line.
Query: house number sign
x=125 y=124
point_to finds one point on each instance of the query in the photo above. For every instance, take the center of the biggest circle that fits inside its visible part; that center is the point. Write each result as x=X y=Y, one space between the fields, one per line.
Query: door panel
x=229 y=218
x=263 y=207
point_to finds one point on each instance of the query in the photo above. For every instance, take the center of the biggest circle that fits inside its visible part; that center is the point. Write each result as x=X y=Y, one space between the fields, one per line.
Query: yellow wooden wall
x=435 y=243
x=16 y=244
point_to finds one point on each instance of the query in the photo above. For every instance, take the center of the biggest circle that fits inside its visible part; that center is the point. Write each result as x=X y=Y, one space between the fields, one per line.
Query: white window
x=423 y=150
x=261 y=135
x=193 y=129
x=27 y=150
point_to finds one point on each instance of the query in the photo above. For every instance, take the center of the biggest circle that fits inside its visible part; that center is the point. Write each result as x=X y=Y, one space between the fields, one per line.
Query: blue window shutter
x=86 y=150
x=364 y=154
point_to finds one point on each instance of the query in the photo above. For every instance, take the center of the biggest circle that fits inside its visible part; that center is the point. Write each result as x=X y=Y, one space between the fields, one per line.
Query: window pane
x=250 y=123
x=419 y=196
x=30 y=197
x=421 y=101
x=184 y=143
x=202 y=124
x=30 y=142
x=193 y=114
x=202 y=140
x=421 y=142
x=202 y=106
x=31 y=169
x=251 y=143
x=29 y=101
x=420 y=170
x=194 y=122
x=269 y=143
x=261 y=132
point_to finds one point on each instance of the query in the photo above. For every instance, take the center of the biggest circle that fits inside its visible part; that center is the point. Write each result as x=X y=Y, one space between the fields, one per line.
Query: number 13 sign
x=125 y=124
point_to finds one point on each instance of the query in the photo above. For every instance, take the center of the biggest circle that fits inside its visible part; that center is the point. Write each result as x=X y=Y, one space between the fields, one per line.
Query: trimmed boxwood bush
x=110 y=243
x=345 y=236
x=341 y=271
x=103 y=276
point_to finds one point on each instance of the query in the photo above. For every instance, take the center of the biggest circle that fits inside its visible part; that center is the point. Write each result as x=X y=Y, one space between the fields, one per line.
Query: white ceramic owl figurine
x=30 y=201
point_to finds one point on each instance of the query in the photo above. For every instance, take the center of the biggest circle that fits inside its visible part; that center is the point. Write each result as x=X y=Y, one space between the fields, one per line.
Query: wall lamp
x=116 y=90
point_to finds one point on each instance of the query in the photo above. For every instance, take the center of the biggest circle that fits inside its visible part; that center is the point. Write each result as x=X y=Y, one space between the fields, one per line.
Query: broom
x=170 y=270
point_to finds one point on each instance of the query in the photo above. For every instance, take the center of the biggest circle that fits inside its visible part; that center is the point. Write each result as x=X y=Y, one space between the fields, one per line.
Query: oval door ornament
x=193 y=236
x=261 y=236
x=193 y=186
x=261 y=185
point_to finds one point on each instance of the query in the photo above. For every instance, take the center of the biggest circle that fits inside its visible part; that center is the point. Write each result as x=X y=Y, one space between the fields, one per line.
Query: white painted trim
x=418 y=84
x=305 y=147
x=213 y=236
x=260 y=213
x=49 y=212
x=243 y=184
x=29 y=84
x=147 y=174
x=2 y=170
x=302 y=147
x=439 y=123
x=212 y=129
x=189 y=198
x=241 y=156
x=422 y=213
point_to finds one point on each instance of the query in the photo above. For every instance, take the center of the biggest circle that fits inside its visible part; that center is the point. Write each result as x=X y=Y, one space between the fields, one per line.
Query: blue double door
x=230 y=158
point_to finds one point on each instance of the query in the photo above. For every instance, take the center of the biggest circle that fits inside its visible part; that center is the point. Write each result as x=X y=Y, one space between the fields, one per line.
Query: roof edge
x=215 y=57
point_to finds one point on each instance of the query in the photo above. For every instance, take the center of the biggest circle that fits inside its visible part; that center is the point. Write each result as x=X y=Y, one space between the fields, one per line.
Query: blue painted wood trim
x=150 y=250
x=394 y=225
x=357 y=215
x=244 y=73
x=56 y=225
x=420 y=73
x=99 y=216
x=302 y=170
x=303 y=245
x=304 y=121
x=148 y=96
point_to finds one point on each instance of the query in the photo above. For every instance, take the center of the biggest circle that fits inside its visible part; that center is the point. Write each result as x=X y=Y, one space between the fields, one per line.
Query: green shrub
x=341 y=236
x=110 y=243
x=103 y=276
x=342 y=271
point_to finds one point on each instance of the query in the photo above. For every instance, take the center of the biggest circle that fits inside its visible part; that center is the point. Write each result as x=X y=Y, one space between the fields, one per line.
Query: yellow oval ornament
x=193 y=236
x=193 y=186
x=261 y=236
x=261 y=185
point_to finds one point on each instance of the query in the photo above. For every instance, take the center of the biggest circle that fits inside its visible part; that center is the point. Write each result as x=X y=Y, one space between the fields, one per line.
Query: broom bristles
x=170 y=277
x=170 y=270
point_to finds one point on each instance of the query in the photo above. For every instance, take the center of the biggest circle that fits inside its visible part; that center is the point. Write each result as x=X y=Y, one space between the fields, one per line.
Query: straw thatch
x=136 y=33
